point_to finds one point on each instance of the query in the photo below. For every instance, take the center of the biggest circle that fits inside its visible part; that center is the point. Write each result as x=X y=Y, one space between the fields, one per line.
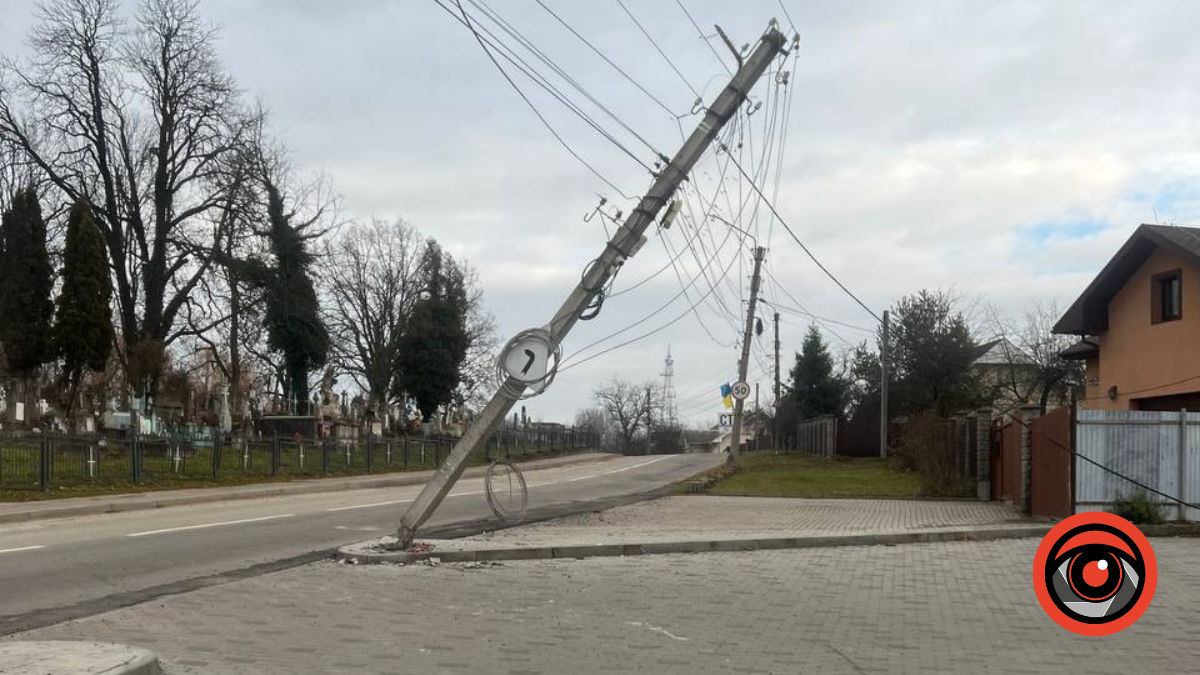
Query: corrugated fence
x=1160 y=449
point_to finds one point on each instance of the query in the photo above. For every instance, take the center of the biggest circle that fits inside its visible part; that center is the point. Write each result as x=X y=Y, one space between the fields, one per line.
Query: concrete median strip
x=373 y=551
x=62 y=657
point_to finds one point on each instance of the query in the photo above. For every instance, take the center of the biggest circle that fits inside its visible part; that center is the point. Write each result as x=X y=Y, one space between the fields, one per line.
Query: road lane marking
x=602 y=473
x=635 y=466
x=368 y=506
x=479 y=492
x=205 y=525
x=18 y=550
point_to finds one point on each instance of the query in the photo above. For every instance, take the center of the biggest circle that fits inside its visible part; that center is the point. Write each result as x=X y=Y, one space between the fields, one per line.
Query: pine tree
x=83 y=333
x=815 y=388
x=435 y=341
x=26 y=304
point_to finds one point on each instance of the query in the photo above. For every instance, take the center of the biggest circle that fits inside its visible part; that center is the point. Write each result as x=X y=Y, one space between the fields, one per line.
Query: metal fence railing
x=44 y=461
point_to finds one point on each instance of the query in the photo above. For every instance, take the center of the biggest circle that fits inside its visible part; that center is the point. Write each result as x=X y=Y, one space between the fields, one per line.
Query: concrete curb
x=144 y=501
x=63 y=657
x=362 y=552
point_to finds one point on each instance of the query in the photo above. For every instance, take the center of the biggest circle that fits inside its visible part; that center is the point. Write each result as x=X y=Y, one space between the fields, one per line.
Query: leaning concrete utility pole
x=624 y=243
x=735 y=441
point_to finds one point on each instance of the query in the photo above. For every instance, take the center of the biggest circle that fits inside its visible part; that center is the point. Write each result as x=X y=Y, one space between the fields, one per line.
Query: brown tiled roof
x=1089 y=313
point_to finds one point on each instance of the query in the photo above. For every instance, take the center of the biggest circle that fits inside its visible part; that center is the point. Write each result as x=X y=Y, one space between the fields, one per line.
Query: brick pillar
x=983 y=454
x=1027 y=415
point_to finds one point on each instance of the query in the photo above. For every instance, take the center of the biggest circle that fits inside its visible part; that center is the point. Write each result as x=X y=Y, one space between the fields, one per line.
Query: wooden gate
x=1006 y=476
x=1050 y=465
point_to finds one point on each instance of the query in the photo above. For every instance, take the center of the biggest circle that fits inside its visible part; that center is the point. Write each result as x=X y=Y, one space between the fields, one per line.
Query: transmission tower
x=669 y=413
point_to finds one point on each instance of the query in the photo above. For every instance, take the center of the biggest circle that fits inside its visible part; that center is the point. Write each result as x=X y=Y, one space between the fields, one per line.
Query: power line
x=652 y=314
x=802 y=246
x=659 y=49
x=787 y=116
x=695 y=309
x=807 y=313
x=607 y=60
x=788 y=16
x=568 y=366
x=483 y=43
x=482 y=6
x=703 y=37
x=532 y=73
x=804 y=312
x=761 y=169
x=671 y=261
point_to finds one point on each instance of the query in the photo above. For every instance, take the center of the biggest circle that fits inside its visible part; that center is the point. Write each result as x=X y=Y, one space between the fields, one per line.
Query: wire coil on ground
x=506 y=491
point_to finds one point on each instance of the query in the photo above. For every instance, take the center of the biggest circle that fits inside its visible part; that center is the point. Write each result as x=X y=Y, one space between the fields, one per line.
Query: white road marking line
x=368 y=506
x=18 y=550
x=635 y=466
x=205 y=525
x=603 y=473
x=479 y=492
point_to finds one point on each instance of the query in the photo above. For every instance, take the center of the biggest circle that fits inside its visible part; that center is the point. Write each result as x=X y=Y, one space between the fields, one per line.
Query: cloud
x=1004 y=150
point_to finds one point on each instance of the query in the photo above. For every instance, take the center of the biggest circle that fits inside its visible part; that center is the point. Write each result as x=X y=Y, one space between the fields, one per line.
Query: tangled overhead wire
x=515 y=381
x=593 y=308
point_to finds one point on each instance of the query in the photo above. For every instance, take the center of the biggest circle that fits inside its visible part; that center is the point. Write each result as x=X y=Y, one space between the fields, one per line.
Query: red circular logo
x=1094 y=573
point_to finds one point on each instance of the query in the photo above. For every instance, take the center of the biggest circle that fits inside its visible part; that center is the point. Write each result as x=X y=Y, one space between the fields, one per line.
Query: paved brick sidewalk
x=704 y=517
x=922 y=608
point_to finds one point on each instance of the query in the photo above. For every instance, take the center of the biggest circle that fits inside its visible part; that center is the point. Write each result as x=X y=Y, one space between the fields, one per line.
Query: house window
x=1166 y=296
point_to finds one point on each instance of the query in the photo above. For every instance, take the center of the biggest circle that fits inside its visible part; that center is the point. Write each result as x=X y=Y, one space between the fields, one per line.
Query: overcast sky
x=1002 y=150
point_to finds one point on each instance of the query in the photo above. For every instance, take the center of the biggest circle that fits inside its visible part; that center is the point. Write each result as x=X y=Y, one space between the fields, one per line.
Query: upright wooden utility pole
x=625 y=242
x=775 y=417
x=883 y=389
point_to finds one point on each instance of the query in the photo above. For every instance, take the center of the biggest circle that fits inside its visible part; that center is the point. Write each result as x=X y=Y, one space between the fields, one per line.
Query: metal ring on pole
x=515 y=368
x=506 y=491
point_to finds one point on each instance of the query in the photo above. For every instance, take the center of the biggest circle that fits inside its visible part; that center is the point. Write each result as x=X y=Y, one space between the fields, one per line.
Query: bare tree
x=478 y=368
x=136 y=121
x=372 y=277
x=595 y=422
x=627 y=405
x=1034 y=369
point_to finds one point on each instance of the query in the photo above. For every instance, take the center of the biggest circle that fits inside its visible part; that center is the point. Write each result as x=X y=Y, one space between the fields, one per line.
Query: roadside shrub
x=1138 y=508
x=927 y=448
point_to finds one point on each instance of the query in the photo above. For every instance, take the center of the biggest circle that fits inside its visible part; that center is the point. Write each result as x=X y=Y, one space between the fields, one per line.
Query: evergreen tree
x=26 y=304
x=435 y=342
x=83 y=333
x=294 y=326
x=931 y=356
x=815 y=389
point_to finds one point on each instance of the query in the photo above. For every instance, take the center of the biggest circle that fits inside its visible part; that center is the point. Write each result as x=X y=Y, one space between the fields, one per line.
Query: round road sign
x=741 y=390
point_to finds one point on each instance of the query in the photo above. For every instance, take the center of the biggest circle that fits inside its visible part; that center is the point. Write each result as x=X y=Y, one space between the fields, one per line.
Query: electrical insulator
x=669 y=216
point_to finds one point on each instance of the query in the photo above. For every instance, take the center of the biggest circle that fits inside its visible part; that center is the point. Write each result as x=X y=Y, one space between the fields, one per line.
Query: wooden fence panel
x=858 y=438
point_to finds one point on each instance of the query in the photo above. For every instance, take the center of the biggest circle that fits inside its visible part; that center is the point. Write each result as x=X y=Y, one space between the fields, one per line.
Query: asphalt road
x=55 y=570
